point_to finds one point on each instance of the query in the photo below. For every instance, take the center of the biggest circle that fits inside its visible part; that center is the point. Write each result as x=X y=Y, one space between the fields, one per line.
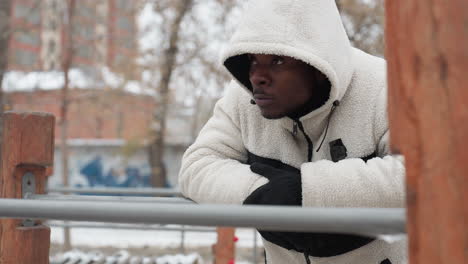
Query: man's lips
x=263 y=99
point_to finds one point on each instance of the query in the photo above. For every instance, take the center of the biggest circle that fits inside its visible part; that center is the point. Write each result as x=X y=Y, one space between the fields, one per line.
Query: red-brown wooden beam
x=427 y=53
x=27 y=146
x=224 y=249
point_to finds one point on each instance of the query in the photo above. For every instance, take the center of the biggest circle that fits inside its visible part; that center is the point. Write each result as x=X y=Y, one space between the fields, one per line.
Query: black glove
x=285 y=188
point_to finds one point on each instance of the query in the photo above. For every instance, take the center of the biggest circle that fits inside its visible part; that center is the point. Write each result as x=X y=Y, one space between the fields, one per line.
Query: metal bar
x=364 y=221
x=126 y=191
x=59 y=197
x=182 y=239
x=255 y=246
x=129 y=226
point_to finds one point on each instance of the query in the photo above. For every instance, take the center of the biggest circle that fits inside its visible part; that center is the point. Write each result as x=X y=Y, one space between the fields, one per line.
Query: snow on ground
x=122 y=257
x=120 y=238
x=165 y=241
x=50 y=80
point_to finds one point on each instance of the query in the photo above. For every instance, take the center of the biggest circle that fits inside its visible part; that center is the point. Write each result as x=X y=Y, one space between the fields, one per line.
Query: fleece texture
x=215 y=168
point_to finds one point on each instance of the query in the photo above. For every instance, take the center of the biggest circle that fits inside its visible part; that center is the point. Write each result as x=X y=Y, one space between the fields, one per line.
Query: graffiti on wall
x=128 y=176
x=105 y=166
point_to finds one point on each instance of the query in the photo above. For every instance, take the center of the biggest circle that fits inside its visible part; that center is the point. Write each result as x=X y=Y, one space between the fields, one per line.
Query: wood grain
x=427 y=53
x=224 y=250
x=28 y=140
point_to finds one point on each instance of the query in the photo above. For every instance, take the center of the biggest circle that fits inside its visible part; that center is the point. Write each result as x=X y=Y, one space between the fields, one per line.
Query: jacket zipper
x=310 y=145
x=295 y=128
x=336 y=103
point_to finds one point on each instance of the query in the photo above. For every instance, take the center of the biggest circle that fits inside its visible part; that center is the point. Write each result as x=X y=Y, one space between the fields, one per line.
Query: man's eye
x=278 y=61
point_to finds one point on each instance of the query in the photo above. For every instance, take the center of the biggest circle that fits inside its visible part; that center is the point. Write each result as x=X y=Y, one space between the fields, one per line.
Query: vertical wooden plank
x=427 y=53
x=27 y=146
x=224 y=250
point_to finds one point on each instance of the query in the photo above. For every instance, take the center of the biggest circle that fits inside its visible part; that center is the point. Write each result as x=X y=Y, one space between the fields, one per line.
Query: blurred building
x=108 y=126
x=103 y=34
x=107 y=132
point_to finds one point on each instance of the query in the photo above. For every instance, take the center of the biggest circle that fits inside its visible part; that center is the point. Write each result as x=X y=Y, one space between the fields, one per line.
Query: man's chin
x=272 y=116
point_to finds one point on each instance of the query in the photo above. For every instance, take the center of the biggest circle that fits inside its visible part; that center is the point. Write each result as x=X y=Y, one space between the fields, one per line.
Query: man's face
x=281 y=86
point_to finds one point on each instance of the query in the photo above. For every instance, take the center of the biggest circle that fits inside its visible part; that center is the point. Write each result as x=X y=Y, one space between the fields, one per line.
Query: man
x=303 y=123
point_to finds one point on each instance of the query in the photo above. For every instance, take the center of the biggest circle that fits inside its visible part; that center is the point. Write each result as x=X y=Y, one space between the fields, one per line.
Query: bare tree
x=66 y=64
x=5 y=7
x=364 y=21
x=184 y=66
x=156 y=146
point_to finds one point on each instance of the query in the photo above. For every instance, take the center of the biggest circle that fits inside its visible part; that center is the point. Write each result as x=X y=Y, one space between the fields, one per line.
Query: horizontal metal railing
x=111 y=190
x=108 y=198
x=130 y=226
x=363 y=221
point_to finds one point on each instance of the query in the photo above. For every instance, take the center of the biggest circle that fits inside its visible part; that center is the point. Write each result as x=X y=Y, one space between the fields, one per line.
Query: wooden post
x=224 y=249
x=28 y=145
x=427 y=52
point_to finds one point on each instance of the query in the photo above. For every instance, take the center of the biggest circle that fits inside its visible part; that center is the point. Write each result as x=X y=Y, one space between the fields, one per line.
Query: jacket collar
x=314 y=123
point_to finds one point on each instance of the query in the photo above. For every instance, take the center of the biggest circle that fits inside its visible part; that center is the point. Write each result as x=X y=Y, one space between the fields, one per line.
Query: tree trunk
x=196 y=118
x=66 y=64
x=156 y=147
x=427 y=61
x=5 y=7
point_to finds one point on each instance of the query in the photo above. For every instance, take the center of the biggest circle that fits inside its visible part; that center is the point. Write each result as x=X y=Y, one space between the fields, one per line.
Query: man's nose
x=260 y=77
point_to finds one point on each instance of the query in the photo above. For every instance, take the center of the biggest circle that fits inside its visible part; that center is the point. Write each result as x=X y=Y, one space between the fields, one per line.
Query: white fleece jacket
x=215 y=168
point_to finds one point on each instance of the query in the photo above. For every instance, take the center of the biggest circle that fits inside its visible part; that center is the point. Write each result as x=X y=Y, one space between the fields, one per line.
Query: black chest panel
x=252 y=158
x=313 y=244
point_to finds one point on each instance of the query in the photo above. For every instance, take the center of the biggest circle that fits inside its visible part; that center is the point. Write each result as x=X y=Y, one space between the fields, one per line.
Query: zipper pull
x=295 y=128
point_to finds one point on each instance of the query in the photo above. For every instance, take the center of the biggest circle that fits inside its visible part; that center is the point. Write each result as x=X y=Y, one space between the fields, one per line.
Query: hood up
x=307 y=30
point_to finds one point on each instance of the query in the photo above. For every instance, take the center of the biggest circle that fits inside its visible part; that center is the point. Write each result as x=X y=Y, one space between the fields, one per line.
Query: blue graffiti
x=94 y=173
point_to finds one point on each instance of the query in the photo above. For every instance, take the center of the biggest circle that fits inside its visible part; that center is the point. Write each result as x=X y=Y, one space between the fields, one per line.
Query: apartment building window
x=123 y=4
x=86 y=12
x=28 y=37
x=125 y=23
x=25 y=58
x=30 y=14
